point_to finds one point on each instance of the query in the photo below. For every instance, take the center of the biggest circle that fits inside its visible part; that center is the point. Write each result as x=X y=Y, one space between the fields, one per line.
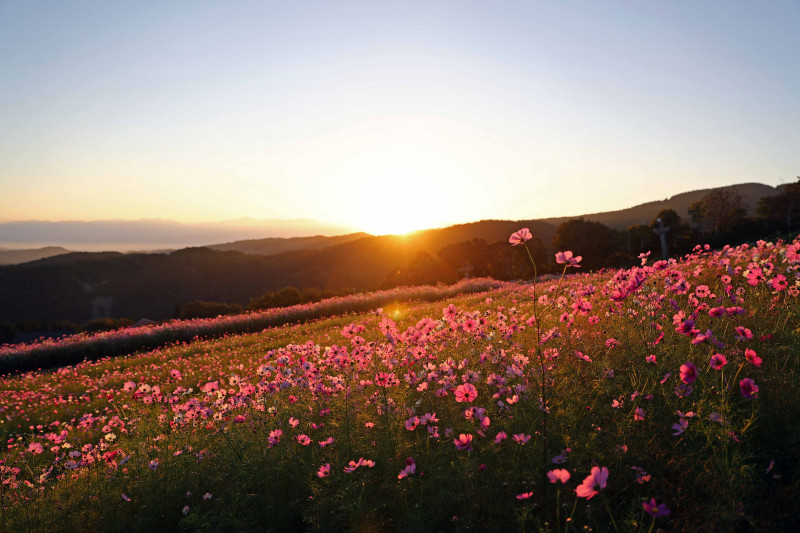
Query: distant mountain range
x=15 y=257
x=152 y=234
x=275 y=236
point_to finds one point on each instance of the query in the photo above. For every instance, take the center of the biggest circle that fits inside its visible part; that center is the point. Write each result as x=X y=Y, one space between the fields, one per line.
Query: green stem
x=610 y=514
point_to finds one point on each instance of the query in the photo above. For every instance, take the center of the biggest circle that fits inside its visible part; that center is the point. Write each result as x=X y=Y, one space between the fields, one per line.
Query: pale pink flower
x=593 y=482
x=411 y=467
x=524 y=495
x=521 y=438
x=35 y=448
x=324 y=470
x=566 y=258
x=463 y=442
x=558 y=474
x=521 y=236
x=501 y=436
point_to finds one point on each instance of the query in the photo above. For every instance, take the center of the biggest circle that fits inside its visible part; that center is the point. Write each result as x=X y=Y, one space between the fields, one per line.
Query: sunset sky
x=389 y=116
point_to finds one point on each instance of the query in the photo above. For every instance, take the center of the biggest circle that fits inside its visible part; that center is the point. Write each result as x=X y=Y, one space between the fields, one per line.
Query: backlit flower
x=520 y=236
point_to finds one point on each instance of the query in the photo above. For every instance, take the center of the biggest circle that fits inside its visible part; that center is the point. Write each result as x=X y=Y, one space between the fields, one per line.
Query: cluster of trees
x=284 y=297
x=289 y=296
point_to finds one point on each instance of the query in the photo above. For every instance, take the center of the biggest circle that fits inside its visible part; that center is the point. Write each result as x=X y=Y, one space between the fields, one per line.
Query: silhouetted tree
x=597 y=243
x=783 y=209
x=718 y=212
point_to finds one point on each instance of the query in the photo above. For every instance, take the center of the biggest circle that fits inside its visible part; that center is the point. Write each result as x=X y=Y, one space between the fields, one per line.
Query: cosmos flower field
x=660 y=397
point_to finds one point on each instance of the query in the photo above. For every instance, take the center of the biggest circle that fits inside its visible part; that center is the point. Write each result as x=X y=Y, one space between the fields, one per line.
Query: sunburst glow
x=396 y=189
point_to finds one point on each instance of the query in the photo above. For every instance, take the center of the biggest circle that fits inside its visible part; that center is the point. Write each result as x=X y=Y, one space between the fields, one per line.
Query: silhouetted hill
x=644 y=213
x=79 y=286
x=277 y=245
x=15 y=257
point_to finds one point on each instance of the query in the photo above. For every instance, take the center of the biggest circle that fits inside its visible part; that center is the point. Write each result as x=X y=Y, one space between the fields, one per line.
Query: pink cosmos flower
x=716 y=312
x=466 y=393
x=326 y=442
x=792 y=252
x=521 y=438
x=521 y=236
x=638 y=414
x=593 y=482
x=324 y=470
x=463 y=442
x=749 y=388
x=351 y=467
x=752 y=358
x=412 y=423
x=717 y=361
x=688 y=372
x=680 y=427
x=655 y=510
x=743 y=333
x=524 y=495
x=501 y=436
x=304 y=439
x=274 y=437
x=566 y=258
x=35 y=448
x=558 y=474
x=411 y=467
x=651 y=358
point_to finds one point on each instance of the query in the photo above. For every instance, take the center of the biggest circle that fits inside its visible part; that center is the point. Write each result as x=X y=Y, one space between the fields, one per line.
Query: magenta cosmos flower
x=688 y=372
x=717 y=361
x=566 y=258
x=655 y=510
x=521 y=236
x=593 y=482
x=749 y=388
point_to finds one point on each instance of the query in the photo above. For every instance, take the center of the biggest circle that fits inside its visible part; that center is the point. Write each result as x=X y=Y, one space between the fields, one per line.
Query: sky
x=389 y=116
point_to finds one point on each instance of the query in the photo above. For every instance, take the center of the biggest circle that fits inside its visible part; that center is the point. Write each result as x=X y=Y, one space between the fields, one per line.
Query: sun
x=397 y=189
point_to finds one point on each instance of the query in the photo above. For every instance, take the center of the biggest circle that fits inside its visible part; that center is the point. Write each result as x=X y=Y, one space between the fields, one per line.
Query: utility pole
x=661 y=231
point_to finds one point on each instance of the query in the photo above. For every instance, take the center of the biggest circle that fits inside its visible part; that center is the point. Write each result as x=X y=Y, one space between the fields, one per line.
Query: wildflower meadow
x=658 y=397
